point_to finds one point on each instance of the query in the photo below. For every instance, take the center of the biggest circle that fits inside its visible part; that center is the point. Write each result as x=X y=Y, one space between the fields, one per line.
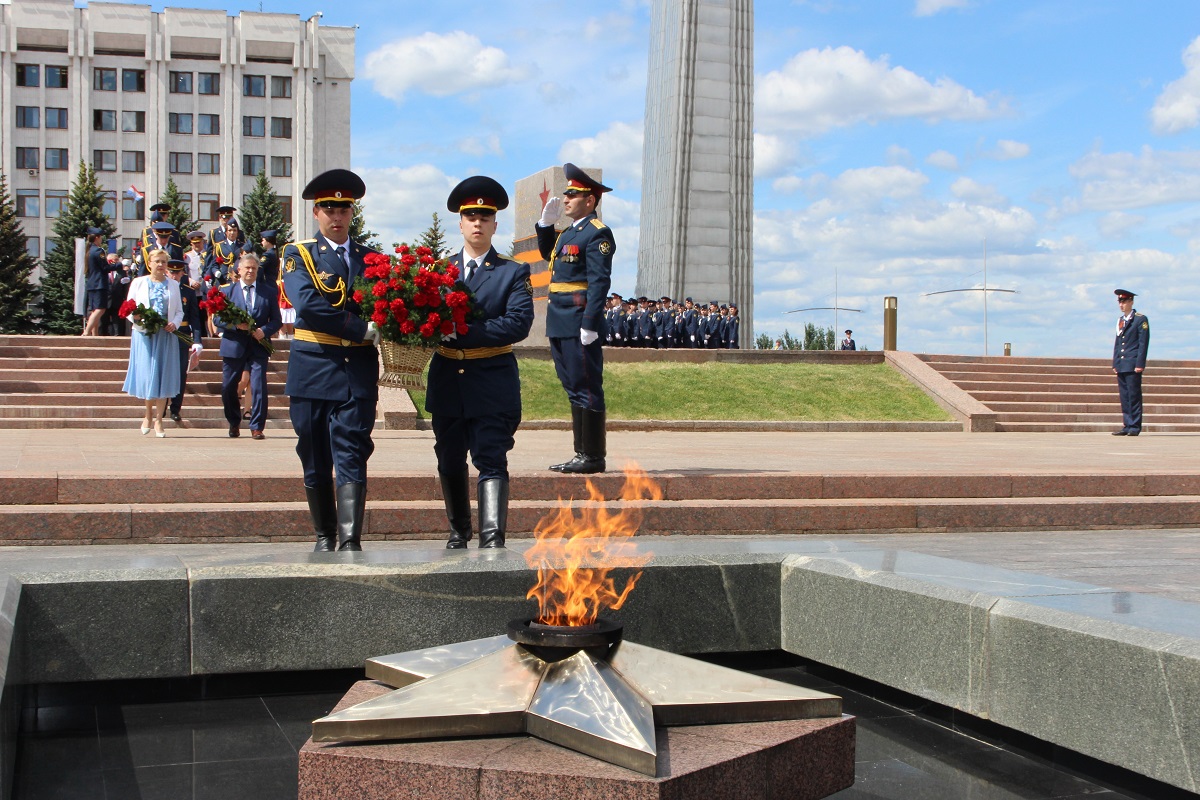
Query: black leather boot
x=323 y=510
x=351 y=505
x=456 y=491
x=594 y=446
x=577 y=434
x=493 y=512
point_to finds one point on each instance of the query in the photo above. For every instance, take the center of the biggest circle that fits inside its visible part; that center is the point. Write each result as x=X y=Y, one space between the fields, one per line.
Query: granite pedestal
x=800 y=759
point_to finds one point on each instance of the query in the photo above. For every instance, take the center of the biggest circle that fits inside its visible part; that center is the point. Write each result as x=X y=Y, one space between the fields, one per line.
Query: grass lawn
x=717 y=391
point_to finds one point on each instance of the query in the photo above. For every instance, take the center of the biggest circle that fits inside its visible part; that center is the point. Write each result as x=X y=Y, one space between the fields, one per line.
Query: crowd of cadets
x=663 y=323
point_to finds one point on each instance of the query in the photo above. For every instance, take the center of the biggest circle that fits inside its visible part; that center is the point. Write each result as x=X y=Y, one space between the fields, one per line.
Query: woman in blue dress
x=153 y=374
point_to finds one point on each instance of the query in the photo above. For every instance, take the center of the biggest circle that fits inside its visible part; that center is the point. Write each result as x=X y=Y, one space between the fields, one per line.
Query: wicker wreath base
x=404 y=365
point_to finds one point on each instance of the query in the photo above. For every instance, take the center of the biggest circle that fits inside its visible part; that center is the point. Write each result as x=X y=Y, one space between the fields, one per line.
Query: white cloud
x=819 y=90
x=927 y=8
x=1007 y=150
x=439 y=65
x=899 y=155
x=1121 y=181
x=1118 y=224
x=1178 y=107
x=864 y=187
x=481 y=145
x=942 y=160
x=617 y=150
x=400 y=201
x=972 y=191
x=772 y=156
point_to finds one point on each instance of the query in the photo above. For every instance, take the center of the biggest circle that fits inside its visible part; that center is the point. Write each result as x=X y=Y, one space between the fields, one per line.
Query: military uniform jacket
x=97 y=269
x=191 y=313
x=222 y=256
x=568 y=312
x=236 y=343
x=691 y=322
x=320 y=288
x=478 y=387
x=1129 y=349
x=268 y=266
x=732 y=329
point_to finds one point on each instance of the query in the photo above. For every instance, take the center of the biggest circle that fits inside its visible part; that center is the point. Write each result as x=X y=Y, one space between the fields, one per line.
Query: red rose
x=126 y=309
x=407 y=327
x=447 y=328
x=419 y=299
x=379 y=318
x=381 y=305
x=408 y=259
x=403 y=249
x=379 y=289
x=427 y=330
x=452 y=273
x=358 y=296
x=462 y=328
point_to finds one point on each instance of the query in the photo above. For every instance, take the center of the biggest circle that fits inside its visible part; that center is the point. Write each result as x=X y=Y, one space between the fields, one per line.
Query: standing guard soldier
x=691 y=324
x=733 y=327
x=334 y=366
x=848 y=342
x=1129 y=361
x=474 y=394
x=224 y=253
x=580 y=276
x=224 y=215
x=189 y=355
x=665 y=322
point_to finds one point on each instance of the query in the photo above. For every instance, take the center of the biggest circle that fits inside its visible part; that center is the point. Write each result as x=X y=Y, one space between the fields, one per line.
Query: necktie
x=471 y=273
x=249 y=292
x=341 y=254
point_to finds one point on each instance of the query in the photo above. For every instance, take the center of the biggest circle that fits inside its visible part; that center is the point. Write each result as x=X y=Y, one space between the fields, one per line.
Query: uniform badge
x=605 y=248
x=529 y=286
x=324 y=276
x=1145 y=326
x=289 y=265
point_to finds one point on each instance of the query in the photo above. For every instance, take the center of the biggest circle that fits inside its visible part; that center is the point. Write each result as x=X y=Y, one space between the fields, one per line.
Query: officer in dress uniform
x=223 y=254
x=165 y=238
x=691 y=324
x=189 y=355
x=224 y=215
x=97 y=282
x=733 y=328
x=474 y=391
x=148 y=237
x=580 y=276
x=268 y=267
x=1129 y=361
x=664 y=323
x=333 y=367
x=848 y=343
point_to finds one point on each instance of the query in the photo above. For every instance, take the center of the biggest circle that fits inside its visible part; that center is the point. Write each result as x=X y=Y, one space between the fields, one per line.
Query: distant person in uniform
x=1129 y=361
x=268 y=265
x=580 y=276
x=97 y=282
x=733 y=328
x=189 y=355
x=224 y=215
x=474 y=394
x=148 y=238
x=848 y=343
x=333 y=367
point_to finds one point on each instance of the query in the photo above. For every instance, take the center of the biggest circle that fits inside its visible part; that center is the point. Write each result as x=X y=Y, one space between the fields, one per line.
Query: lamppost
x=985 y=289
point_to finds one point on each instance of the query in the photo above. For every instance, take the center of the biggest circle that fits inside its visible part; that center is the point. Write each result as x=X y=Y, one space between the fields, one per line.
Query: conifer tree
x=84 y=209
x=434 y=238
x=359 y=231
x=180 y=214
x=262 y=212
x=16 y=265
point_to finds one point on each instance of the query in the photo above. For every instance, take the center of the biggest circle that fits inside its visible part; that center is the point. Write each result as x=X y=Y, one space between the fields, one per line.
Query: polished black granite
x=104 y=745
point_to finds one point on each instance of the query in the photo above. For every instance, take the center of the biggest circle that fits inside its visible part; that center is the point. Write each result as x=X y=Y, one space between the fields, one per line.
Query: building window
x=179 y=123
x=133 y=80
x=281 y=166
x=252 y=165
x=27 y=158
x=56 y=118
x=33 y=246
x=27 y=203
x=104 y=79
x=285 y=205
x=128 y=244
x=132 y=209
x=28 y=117
x=208 y=83
x=56 y=201
x=104 y=120
x=29 y=75
x=133 y=121
x=254 y=126
x=104 y=160
x=208 y=206
x=181 y=82
x=208 y=164
x=56 y=78
x=254 y=85
x=57 y=158
x=210 y=125
x=281 y=127
x=110 y=206
x=180 y=163
x=281 y=86
x=133 y=161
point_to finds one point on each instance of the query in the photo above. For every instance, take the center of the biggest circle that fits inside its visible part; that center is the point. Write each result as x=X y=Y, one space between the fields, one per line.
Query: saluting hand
x=552 y=211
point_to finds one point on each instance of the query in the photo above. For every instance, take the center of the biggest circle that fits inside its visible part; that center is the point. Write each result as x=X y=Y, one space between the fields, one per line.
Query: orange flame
x=574 y=554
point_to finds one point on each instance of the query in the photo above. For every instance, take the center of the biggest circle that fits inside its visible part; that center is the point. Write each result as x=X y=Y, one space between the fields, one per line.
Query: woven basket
x=404 y=365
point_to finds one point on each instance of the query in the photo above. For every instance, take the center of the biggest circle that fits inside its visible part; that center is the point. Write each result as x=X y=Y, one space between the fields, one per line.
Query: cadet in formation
x=1129 y=361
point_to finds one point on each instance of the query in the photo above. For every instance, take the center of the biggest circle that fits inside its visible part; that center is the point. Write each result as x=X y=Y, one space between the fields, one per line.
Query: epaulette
x=599 y=225
x=1138 y=314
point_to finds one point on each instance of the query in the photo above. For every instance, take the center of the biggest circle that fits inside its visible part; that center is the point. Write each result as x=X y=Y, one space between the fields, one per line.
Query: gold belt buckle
x=346 y=342
x=460 y=354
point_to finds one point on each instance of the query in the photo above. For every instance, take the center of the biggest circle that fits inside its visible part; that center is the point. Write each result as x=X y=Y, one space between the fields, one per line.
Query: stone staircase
x=1073 y=394
x=75 y=382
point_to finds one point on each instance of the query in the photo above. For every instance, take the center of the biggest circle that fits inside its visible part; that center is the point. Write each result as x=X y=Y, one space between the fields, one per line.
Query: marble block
x=801 y=759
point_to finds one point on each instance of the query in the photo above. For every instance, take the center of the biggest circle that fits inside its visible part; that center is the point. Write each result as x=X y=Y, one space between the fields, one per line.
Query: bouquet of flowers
x=411 y=297
x=150 y=320
x=218 y=305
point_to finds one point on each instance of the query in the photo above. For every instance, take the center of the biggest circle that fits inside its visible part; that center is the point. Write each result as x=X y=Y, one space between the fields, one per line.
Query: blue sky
x=891 y=139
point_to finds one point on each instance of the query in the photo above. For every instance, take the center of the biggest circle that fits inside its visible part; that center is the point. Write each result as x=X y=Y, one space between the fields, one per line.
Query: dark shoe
x=246 y=415
x=585 y=466
x=257 y=434
x=175 y=417
x=1121 y=432
x=323 y=509
x=493 y=512
x=456 y=492
x=594 y=445
x=566 y=466
x=1133 y=433
x=351 y=506
x=577 y=436
x=234 y=431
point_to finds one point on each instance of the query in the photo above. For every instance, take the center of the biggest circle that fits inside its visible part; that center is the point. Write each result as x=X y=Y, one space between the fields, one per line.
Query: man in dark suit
x=333 y=367
x=189 y=355
x=580 y=276
x=474 y=394
x=97 y=282
x=242 y=346
x=1129 y=361
x=848 y=343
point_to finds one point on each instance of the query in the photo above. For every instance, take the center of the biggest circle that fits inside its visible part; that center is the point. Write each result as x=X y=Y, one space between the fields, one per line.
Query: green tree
x=791 y=342
x=262 y=211
x=359 y=231
x=180 y=214
x=16 y=265
x=819 y=338
x=84 y=209
x=764 y=342
x=434 y=238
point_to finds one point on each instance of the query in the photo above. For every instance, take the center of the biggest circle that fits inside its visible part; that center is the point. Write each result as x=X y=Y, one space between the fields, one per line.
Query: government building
x=199 y=96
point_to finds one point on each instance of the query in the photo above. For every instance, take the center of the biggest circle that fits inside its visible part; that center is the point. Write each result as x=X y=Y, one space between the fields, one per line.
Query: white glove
x=125 y=279
x=587 y=337
x=552 y=211
x=373 y=334
x=197 y=347
x=693 y=337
